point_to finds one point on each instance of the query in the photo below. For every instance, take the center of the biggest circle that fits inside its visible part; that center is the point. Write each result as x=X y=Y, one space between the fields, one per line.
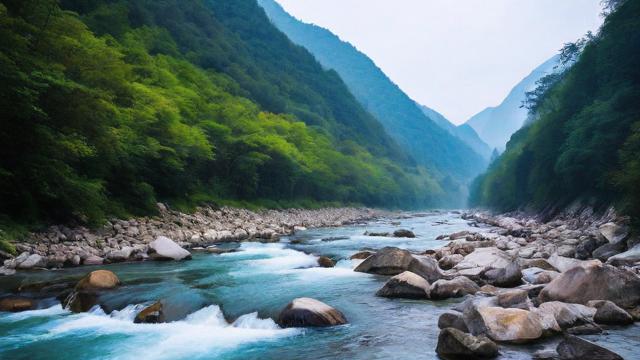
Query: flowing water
x=225 y=304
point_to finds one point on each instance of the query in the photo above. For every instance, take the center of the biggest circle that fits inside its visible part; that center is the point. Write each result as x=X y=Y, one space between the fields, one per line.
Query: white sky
x=456 y=56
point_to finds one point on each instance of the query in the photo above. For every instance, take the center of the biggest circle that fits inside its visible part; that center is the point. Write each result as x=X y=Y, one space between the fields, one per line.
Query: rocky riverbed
x=129 y=240
x=524 y=281
x=472 y=285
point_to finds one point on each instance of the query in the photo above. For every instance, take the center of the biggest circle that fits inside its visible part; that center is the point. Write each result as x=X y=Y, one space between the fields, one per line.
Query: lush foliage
x=131 y=102
x=585 y=142
x=448 y=156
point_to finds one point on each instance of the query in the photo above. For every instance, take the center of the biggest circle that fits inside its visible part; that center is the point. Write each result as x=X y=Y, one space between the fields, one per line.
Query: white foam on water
x=52 y=311
x=204 y=332
x=275 y=257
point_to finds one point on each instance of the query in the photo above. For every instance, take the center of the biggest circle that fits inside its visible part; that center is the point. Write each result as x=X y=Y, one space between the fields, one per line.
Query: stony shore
x=129 y=240
x=524 y=281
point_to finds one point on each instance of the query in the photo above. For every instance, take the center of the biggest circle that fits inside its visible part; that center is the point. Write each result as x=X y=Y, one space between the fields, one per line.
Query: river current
x=226 y=304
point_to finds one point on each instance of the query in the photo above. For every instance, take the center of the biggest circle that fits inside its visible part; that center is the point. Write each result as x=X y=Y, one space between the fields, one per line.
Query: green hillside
x=111 y=106
x=585 y=141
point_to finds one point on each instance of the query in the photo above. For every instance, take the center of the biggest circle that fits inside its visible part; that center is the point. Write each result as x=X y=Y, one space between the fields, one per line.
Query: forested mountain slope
x=110 y=106
x=463 y=132
x=585 y=141
x=495 y=125
x=429 y=144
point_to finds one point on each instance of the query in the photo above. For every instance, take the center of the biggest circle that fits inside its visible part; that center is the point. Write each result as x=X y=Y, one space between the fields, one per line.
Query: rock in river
x=393 y=261
x=568 y=315
x=595 y=282
x=387 y=261
x=457 y=287
x=326 y=262
x=152 y=314
x=404 y=233
x=164 y=248
x=15 y=304
x=405 y=285
x=609 y=313
x=302 y=312
x=575 y=348
x=98 y=280
x=452 y=319
x=453 y=343
x=509 y=325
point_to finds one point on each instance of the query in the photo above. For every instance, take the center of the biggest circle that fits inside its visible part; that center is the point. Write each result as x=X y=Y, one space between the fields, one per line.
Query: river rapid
x=226 y=304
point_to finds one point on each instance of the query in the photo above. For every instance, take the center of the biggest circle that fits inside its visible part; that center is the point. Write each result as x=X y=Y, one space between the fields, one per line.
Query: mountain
x=495 y=125
x=110 y=106
x=420 y=136
x=463 y=132
x=584 y=145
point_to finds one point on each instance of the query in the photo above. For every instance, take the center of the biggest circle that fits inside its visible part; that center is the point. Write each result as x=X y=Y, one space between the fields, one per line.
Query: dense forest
x=111 y=106
x=584 y=142
x=453 y=161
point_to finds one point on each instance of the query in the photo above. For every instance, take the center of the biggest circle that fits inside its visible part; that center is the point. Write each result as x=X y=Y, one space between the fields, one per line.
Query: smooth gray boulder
x=33 y=261
x=453 y=343
x=452 y=319
x=609 y=313
x=386 y=261
x=303 y=312
x=574 y=348
x=596 y=282
x=604 y=252
x=613 y=232
x=163 y=248
x=628 y=258
x=405 y=285
x=568 y=315
x=457 y=287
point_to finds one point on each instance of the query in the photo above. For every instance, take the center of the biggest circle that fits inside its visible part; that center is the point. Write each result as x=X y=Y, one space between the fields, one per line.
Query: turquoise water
x=225 y=304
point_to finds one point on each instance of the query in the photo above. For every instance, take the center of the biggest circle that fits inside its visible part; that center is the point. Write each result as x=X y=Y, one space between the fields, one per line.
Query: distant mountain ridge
x=429 y=144
x=463 y=132
x=495 y=125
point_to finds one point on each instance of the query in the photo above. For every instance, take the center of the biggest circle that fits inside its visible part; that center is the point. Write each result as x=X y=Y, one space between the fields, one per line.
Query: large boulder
x=575 y=348
x=98 y=280
x=387 y=261
x=33 y=261
x=514 y=298
x=609 y=313
x=508 y=276
x=604 y=252
x=404 y=233
x=302 y=312
x=393 y=261
x=457 y=287
x=16 y=304
x=152 y=314
x=163 y=248
x=629 y=257
x=596 y=282
x=563 y=264
x=451 y=319
x=427 y=267
x=453 y=343
x=405 y=285
x=568 y=315
x=86 y=292
x=614 y=233
x=485 y=257
x=447 y=262
x=326 y=262
x=535 y=275
x=508 y=325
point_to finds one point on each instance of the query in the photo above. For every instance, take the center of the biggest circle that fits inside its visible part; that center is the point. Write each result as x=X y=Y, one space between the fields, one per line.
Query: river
x=227 y=301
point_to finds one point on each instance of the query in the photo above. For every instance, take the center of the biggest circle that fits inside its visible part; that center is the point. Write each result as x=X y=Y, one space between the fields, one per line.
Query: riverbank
x=128 y=240
x=524 y=281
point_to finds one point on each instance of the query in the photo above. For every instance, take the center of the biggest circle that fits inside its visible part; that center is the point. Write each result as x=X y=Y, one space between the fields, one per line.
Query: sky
x=455 y=56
